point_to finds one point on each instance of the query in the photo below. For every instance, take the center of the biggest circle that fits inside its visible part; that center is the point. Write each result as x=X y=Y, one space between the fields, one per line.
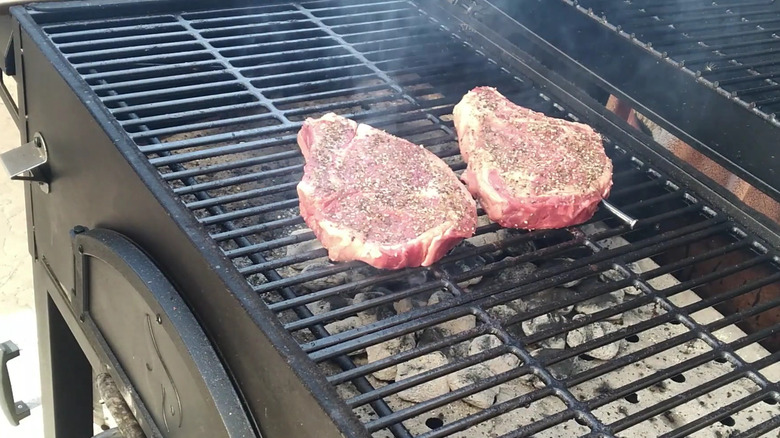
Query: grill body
x=91 y=87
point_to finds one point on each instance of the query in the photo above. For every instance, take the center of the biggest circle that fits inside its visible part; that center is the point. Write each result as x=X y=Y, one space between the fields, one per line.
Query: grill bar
x=70 y=30
x=405 y=356
x=207 y=153
x=228 y=95
x=232 y=165
x=238 y=232
x=191 y=55
x=319 y=295
x=259 y=118
x=126 y=74
x=439 y=372
x=156 y=81
x=211 y=185
x=241 y=197
x=98 y=53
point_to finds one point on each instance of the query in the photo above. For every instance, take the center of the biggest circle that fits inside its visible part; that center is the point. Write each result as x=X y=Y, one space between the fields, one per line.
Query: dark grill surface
x=593 y=329
x=733 y=45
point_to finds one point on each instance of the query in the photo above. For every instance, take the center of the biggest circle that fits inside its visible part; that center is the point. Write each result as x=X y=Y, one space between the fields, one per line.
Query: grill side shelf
x=718 y=123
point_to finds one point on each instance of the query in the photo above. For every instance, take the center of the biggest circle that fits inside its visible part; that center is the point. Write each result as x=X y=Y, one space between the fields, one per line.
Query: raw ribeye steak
x=526 y=169
x=370 y=196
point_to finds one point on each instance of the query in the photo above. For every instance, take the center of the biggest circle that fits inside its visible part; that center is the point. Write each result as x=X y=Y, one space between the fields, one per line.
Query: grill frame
x=572 y=98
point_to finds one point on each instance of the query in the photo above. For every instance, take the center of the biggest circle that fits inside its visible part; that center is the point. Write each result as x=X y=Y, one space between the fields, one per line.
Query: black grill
x=214 y=99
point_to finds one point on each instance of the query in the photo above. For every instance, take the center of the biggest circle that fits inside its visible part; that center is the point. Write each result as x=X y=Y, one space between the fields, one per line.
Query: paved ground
x=17 y=318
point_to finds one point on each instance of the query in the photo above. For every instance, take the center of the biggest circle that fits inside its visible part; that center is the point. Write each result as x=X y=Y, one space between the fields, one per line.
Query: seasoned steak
x=374 y=197
x=526 y=169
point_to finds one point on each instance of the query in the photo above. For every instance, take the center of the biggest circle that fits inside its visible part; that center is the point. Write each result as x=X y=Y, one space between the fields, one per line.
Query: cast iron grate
x=597 y=329
x=731 y=45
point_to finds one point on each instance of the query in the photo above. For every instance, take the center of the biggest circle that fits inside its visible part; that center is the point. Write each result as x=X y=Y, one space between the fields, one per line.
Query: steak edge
x=373 y=197
x=526 y=169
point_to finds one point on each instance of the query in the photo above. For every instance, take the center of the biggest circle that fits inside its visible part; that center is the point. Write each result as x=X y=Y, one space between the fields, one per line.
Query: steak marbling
x=528 y=170
x=377 y=198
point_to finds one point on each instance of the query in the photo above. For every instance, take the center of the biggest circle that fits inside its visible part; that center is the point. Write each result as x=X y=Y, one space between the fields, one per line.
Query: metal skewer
x=620 y=214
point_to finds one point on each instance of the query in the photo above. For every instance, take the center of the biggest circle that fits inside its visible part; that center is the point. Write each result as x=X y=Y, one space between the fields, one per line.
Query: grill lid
x=601 y=329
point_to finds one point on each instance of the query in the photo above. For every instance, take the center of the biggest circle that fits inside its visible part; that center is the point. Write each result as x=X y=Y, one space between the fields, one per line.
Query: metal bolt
x=78 y=229
x=81 y=249
x=82 y=318
x=159 y=319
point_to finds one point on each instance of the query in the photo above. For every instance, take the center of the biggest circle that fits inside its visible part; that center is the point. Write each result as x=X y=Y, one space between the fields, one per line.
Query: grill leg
x=66 y=376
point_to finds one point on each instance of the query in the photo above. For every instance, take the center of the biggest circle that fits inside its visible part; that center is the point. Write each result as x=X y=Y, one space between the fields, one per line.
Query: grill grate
x=486 y=342
x=732 y=45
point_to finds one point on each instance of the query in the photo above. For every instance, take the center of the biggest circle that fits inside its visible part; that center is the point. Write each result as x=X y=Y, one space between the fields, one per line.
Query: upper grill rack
x=214 y=98
x=731 y=45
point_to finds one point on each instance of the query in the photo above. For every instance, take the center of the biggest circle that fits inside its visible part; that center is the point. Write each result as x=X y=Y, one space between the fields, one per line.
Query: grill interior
x=599 y=328
x=732 y=45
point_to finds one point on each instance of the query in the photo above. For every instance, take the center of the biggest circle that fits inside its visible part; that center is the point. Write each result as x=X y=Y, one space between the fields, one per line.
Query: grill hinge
x=24 y=162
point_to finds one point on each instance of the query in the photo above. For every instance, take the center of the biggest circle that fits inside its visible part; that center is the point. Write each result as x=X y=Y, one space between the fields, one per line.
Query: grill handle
x=26 y=162
x=13 y=410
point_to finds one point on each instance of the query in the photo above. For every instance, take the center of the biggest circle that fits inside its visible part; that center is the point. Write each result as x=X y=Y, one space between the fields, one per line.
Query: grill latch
x=24 y=163
x=14 y=410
